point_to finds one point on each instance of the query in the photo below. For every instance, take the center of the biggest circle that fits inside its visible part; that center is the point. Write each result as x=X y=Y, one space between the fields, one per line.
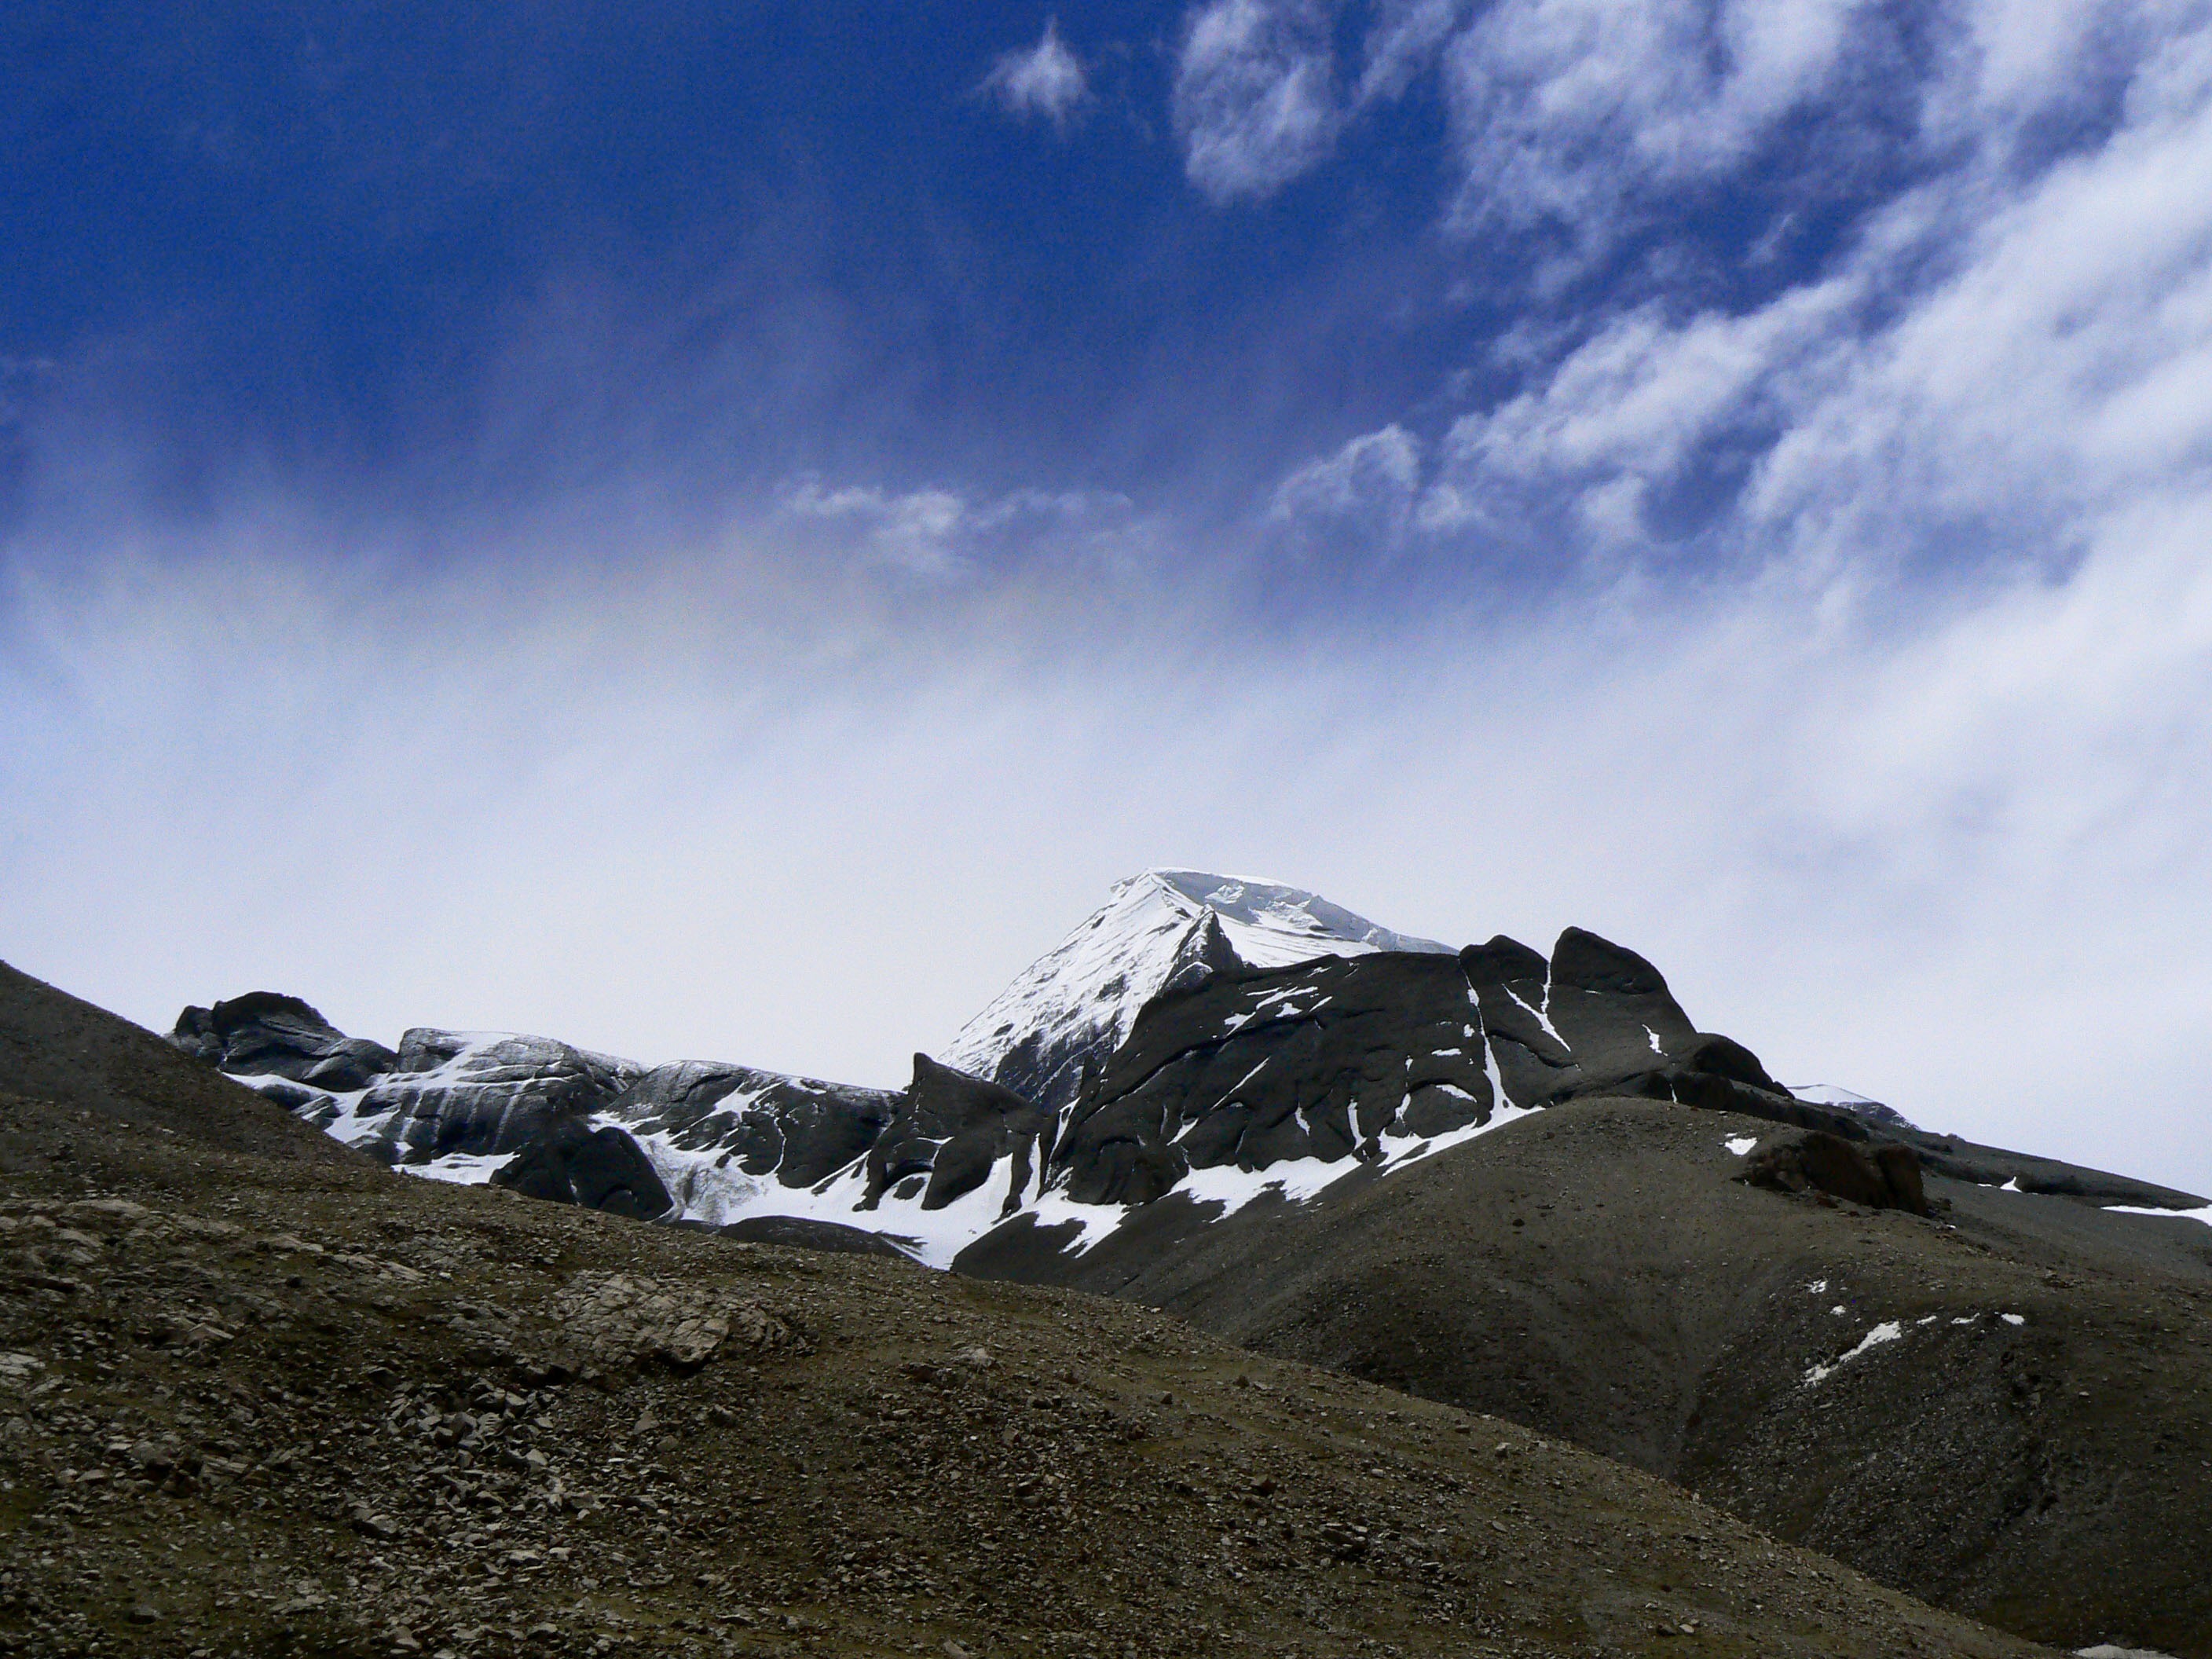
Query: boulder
x=600 y=1169
x=1879 y=1177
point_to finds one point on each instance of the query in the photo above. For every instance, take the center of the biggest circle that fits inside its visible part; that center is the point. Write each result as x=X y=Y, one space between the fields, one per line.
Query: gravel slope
x=2031 y=1446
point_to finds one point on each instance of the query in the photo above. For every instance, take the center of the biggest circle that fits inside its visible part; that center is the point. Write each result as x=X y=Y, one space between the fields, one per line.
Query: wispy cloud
x=943 y=534
x=1256 y=96
x=1045 y=80
x=1367 y=488
x=1565 y=110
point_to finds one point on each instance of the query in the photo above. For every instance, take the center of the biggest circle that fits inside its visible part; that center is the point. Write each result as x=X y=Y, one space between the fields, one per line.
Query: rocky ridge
x=1196 y=1070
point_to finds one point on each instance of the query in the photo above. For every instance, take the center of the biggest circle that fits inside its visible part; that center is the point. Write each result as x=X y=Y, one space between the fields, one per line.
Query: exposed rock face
x=485 y=1095
x=1342 y=1057
x=1072 y=1007
x=949 y=1131
x=598 y=1169
x=1881 y=1177
x=263 y=1034
x=1254 y=1068
x=1198 y=1035
x=797 y=1130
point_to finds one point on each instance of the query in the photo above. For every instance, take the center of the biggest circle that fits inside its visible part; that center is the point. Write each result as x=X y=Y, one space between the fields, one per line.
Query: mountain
x=253 y=1401
x=1494 y=1178
x=1213 y=1038
x=2002 y=1404
x=1074 y=1005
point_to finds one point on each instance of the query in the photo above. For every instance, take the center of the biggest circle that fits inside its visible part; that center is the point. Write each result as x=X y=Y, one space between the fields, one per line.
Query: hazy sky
x=719 y=532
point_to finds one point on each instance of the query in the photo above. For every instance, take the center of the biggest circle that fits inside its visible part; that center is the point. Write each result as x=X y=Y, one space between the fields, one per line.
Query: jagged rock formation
x=1198 y=1035
x=950 y=1133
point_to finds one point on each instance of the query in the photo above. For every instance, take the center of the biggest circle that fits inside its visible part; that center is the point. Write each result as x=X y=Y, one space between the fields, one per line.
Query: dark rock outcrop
x=799 y=1130
x=266 y=1034
x=1338 y=1058
x=451 y=1091
x=600 y=1169
x=949 y=1131
x=1252 y=1068
x=1882 y=1178
x=798 y=1232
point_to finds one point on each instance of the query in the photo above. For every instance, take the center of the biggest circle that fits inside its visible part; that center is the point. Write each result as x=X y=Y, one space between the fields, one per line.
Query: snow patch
x=1889 y=1331
x=462 y=1168
x=1739 y=1145
x=1826 y=1094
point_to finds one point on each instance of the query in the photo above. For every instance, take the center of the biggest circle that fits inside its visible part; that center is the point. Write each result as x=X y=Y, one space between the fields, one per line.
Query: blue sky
x=720 y=531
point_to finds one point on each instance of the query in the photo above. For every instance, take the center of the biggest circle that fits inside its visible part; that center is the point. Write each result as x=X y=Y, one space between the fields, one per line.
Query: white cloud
x=1256 y=97
x=943 y=535
x=1565 y=110
x=1402 y=41
x=918 y=530
x=1370 y=481
x=1638 y=397
x=2004 y=360
x=1046 y=79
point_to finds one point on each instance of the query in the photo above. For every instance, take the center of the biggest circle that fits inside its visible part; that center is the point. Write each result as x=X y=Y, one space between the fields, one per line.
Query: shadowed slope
x=2013 y=1409
x=54 y=1046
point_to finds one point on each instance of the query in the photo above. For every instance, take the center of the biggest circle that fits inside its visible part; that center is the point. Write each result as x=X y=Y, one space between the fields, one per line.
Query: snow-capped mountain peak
x=1073 y=1006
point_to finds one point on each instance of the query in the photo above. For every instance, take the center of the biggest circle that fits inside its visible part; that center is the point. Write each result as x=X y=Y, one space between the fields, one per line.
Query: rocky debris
x=58 y=1049
x=1881 y=1177
x=621 y=1316
x=1592 y=1271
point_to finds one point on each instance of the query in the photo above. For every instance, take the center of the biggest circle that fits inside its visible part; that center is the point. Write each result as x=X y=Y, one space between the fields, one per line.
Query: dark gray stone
x=955 y=1128
x=600 y=1169
x=267 y=1034
x=798 y=1129
x=449 y=1092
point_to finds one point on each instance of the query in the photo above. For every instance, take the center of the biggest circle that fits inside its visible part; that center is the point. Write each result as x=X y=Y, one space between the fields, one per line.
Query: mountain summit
x=1074 y=1005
